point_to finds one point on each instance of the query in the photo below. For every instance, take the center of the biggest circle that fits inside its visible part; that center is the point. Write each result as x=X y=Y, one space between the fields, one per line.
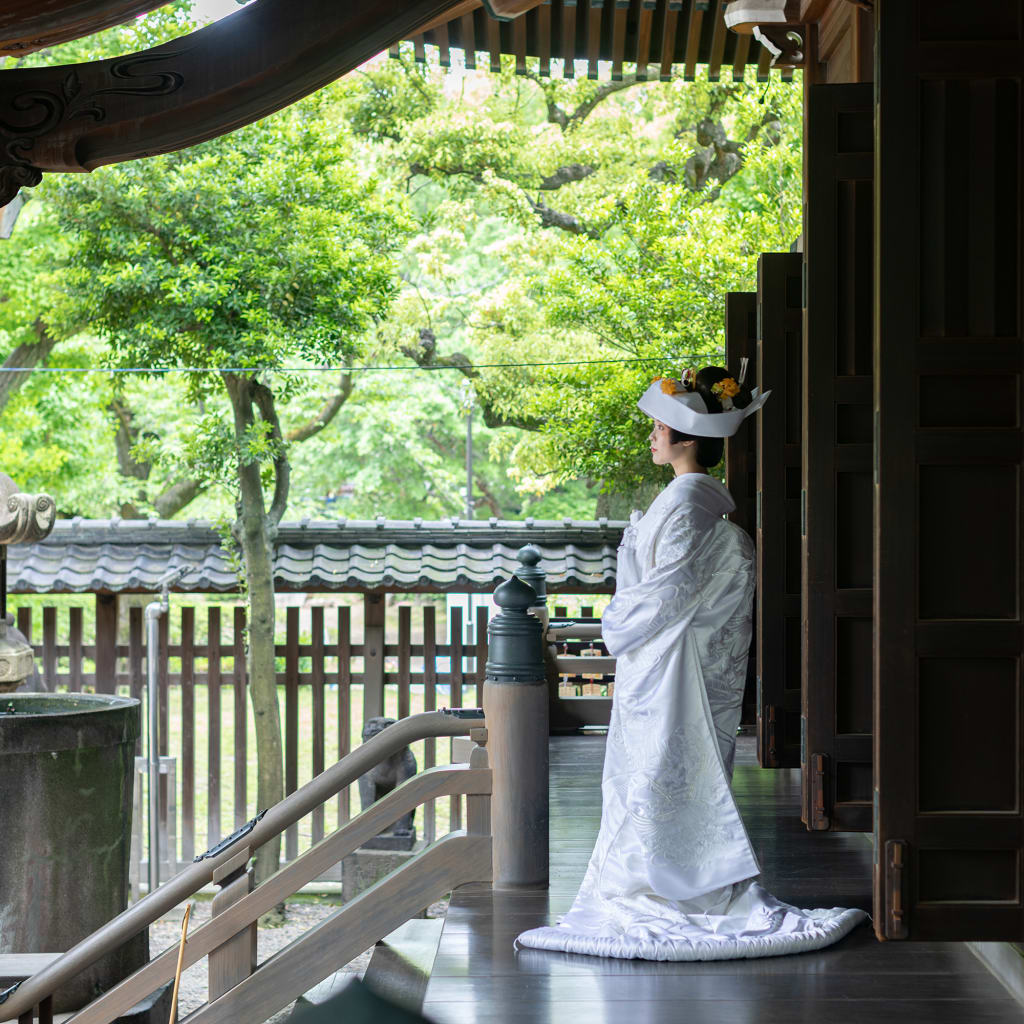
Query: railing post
x=478 y=806
x=516 y=708
x=374 y=605
x=234 y=960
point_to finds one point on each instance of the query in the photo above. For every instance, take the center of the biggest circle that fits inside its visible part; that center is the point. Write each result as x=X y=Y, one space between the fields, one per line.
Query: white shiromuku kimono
x=671 y=875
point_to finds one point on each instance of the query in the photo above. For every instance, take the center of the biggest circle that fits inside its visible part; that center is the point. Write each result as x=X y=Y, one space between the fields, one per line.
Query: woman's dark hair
x=711 y=449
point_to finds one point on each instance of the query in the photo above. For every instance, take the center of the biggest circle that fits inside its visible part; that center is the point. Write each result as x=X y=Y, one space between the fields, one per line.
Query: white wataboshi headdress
x=686 y=411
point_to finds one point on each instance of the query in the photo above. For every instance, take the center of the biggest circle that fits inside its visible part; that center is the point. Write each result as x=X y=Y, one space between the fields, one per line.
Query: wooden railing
x=581 y=672
x=326 y=675
x=237 y=991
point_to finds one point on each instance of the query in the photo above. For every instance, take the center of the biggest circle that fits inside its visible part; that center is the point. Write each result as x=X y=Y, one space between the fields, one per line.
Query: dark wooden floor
x=479 y=977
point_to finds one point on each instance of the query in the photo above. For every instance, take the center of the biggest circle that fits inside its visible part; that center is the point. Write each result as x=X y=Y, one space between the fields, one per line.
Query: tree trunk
x=23 y=356
x=253 y=529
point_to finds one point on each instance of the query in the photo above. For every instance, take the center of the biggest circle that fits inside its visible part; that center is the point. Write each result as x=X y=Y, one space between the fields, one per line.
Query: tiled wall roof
x=84 y=556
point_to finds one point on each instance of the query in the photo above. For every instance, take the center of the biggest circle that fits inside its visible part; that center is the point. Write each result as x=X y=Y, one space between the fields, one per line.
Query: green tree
x=577 y=220
x=238 y=258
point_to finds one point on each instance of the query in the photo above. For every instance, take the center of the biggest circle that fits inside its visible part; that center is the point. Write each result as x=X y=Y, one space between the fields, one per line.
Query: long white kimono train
x=671 y=875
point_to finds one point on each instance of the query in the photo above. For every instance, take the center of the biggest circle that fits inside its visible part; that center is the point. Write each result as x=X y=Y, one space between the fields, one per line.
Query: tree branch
x=126 y=436
x=563 y=175
x=32 y=354
x=552 y=218
x=425 y=354
x=568 y=121
x=326 y=414
x=176 y=497
x=586 y=108
x=264 y=399
x=487 y=495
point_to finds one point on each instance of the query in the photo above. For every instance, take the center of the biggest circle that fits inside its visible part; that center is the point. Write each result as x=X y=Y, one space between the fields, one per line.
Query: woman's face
x=663 y=452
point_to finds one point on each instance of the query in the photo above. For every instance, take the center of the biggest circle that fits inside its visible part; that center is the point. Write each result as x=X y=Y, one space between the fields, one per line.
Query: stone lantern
x=24 y=518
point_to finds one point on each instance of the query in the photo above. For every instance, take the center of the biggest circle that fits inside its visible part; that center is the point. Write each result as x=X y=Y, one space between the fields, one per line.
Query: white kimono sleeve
x=639 y=611
x=627 y=568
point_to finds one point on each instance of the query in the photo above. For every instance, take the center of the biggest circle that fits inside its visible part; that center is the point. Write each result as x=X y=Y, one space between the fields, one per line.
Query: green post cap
x=529 y=558
x=515 y=643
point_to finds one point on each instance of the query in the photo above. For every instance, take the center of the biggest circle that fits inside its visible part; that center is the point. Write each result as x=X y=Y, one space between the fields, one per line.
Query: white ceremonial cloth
x=671 y=875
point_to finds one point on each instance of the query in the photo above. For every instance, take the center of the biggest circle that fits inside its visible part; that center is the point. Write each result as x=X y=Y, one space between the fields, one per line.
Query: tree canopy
x=584 y=232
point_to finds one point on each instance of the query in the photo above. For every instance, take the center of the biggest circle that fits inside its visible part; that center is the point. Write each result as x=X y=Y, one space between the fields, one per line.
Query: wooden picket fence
x=394 y=672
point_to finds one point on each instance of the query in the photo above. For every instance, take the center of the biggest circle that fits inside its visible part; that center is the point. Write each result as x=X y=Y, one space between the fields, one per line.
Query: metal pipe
x=189 y=880
x=153 y=612
x=469 y=463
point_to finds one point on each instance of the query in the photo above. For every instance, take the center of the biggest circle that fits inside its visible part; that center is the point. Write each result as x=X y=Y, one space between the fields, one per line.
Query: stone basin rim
x=66 y=721
x=64 y=704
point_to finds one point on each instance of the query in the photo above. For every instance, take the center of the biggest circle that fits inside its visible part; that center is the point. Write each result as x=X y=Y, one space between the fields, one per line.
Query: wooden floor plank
x=479 y=976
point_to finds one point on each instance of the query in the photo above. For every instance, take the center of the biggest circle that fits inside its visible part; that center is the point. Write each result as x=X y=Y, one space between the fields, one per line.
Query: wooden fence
x=361 y=677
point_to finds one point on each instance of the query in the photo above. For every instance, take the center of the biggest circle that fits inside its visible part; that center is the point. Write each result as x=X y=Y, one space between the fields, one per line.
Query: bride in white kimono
x=672 y=873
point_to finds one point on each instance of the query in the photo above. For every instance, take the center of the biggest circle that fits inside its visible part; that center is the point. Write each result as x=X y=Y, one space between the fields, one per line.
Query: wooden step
x=399 y=967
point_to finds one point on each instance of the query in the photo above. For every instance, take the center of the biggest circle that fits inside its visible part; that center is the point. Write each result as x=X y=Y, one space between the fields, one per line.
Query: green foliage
x=248 y=251
x=259 y=250
x=511 y=219
x=639 y=271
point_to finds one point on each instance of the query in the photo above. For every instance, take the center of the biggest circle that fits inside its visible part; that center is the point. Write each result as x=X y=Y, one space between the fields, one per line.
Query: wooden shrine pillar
x=837 y=453
x=949 y=364
x=779 y=322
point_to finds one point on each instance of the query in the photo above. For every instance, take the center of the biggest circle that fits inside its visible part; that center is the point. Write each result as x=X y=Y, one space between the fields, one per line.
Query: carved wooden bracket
x=244 y=67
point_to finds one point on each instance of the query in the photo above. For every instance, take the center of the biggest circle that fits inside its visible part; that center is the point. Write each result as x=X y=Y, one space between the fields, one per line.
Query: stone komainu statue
x=380 y=780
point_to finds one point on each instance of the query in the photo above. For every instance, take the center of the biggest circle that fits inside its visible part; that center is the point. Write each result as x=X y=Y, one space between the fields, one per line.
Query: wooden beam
x=506 y=10
x=643 y=38
x=444 y=53
x=739 y=64
x=693 y=40
x=544 y=37
x=194 y=88
x=419 y=52
x=468 y=39
x=494 y=42
x=569 y=38
x=668 y=38
x=519 y=44
x=619 y=38
x=812 y=10
x=452 y=14
x=28 y=25
x=594 y=36
x=717 y=42
x=764 y=65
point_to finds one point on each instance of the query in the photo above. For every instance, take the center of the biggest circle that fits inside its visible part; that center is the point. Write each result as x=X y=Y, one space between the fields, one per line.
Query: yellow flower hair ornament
x=725 y=391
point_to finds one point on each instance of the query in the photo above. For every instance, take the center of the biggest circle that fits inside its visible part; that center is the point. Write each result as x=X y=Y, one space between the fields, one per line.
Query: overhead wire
x=325 y=369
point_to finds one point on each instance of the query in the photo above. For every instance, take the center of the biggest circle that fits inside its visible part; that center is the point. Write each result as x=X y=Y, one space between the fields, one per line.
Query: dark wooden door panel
x=949 y=779
x=741 y=451
x=837 y=458
x=779 y=344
